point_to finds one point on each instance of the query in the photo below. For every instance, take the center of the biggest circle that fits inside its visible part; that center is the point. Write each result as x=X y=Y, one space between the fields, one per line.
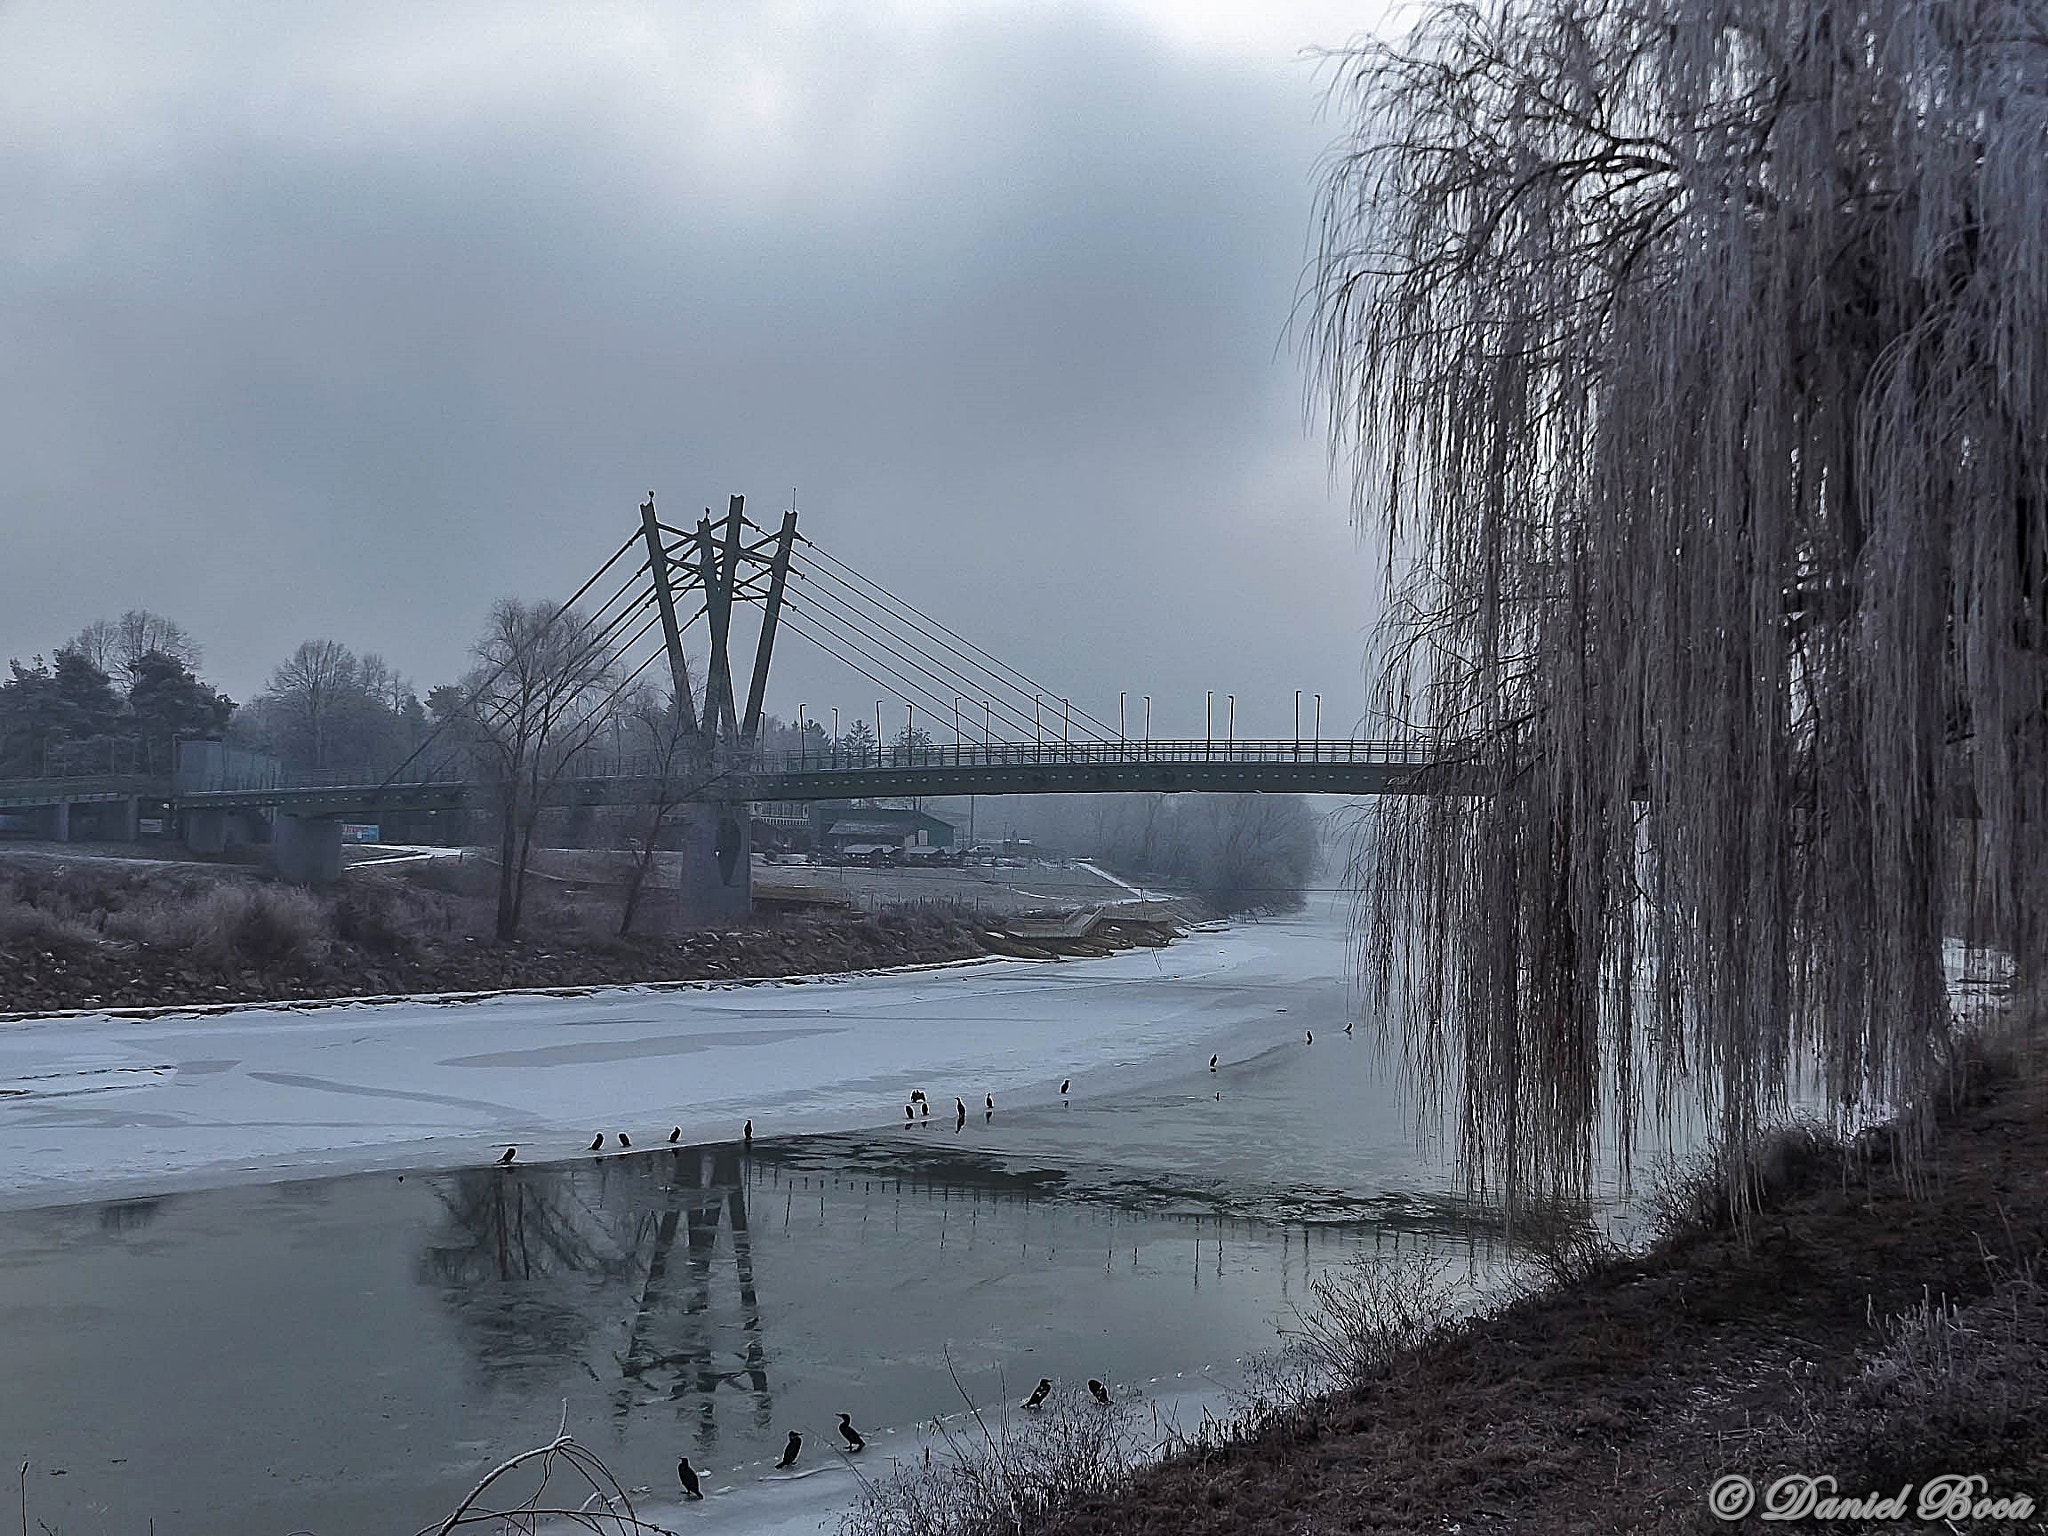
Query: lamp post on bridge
x=802 y=754
x=1064 y=720
x=1120 y=722
x=1209 y=725
x=910 y=730
x=1037 y=730
x=878 y=733
x=1230 y=737
x=1148 y=727
x=1319 y=728
x=956 y=729
x=1297 y=725
x=984 y=730
x=835 y=735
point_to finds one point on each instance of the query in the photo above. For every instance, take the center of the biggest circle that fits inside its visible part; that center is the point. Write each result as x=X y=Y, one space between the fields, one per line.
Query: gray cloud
x=348 y=327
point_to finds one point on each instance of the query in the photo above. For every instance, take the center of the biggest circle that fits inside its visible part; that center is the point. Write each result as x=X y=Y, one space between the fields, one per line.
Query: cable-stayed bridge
x=541 y=714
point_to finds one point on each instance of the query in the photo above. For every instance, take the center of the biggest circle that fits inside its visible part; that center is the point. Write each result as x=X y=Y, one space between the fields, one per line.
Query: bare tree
x=1692 y=360
x=117 y=646
x=543 y=690
x=307 y=694
x=675 y=765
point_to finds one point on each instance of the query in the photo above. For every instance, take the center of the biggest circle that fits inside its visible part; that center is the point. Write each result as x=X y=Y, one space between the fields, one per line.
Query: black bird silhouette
x=1311 y=1037
x=849 y=1434
x=907 y=1115
x=675 y=1135
x=959 y=1114
x=625 y=1140
x=1347 y=1029
x=598 y=1142
x=691 y=1489
x=1212 y=1063
x=747 y=1132
x=1039 y=1393
x=1065 y=1084
x=924 y=1108
x=510 y=1153
x=1097 y=1390
x=917 y=1095
x=990 y=1100
x=796 y=1443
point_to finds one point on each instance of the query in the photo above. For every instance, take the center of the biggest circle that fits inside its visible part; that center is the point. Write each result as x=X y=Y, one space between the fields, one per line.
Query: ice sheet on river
x=97 y=1105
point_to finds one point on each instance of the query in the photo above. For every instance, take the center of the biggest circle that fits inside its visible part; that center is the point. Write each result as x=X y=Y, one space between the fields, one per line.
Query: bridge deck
x=1029 y=768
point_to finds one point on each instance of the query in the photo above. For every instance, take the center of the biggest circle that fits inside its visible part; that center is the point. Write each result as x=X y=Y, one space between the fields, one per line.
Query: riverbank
x=1870 y=1328
x=95 y=934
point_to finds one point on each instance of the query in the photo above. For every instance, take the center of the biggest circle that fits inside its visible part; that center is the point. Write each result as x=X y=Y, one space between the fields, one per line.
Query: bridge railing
x=1013 y=754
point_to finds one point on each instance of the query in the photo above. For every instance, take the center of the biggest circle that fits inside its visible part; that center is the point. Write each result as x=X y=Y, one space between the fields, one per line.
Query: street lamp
x=800 y=752
x=878 y=733
x=956 y=727
x=835 y=735
x=984 y=731
x=1231 y=738
x=1297 y=725
x=1148 y=725
x=1209 y=724
x=1064 y=721
x=1037 y=730
x=1319 y=728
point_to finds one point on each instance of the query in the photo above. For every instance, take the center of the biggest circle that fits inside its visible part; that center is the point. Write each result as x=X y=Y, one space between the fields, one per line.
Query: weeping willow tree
x=1691 y=359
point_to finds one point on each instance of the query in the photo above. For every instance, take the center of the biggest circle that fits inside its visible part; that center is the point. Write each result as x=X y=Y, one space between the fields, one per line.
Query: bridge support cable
x=950 y=678
x=595 y=577
x=925 y=623
x=946 y=689
x=802 y=622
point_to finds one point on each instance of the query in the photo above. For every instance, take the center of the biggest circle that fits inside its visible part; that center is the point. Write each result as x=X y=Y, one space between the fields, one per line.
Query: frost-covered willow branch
x=1691 y=359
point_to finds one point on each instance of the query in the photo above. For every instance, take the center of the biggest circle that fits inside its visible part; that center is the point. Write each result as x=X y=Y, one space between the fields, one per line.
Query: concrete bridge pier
x=206 y=829
x=60 y=822
x=717 y=865
x=306 y=850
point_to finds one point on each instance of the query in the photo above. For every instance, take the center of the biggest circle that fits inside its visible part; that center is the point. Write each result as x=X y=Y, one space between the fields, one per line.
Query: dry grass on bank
x=97 y=933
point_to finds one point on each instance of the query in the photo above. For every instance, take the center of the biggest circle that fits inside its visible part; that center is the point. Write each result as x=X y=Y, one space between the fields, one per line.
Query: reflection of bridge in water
x=640 y=1269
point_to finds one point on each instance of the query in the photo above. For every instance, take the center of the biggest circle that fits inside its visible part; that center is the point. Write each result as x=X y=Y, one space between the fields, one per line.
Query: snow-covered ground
x=93 y=1105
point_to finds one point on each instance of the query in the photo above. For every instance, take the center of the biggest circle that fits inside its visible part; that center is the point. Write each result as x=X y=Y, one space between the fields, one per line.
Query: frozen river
x=258 y=1276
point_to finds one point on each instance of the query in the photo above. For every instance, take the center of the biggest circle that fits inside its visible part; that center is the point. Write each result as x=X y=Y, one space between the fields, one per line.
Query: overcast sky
x=344 y=320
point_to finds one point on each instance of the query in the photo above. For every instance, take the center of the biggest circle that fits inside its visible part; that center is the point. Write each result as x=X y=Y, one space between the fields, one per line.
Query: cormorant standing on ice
x=747 y=1133
x=598 y=1143
x=1212 y=1063
x=1098 y=1391
x=796 y=1443
x=675 y=1135
x=1039 y=1393
x=1347 y=1029
x=849 y=1434
x=691 y=1488
x=990 y=1100
x=510 y=1153
x=1311 y=1037
x=1065 y=1084
x=625 y=1140
x=907 y=1115
x=917 y=1095
x=959 y=1113
x=924 y=1107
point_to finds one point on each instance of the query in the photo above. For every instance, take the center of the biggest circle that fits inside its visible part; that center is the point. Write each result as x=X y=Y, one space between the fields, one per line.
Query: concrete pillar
x=206 y=829
x=60 y=821
x=716 y=847
x=306 y=850
x=130 y=813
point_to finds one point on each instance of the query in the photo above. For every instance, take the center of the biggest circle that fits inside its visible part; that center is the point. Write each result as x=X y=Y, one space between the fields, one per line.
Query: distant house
x=838 y=825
